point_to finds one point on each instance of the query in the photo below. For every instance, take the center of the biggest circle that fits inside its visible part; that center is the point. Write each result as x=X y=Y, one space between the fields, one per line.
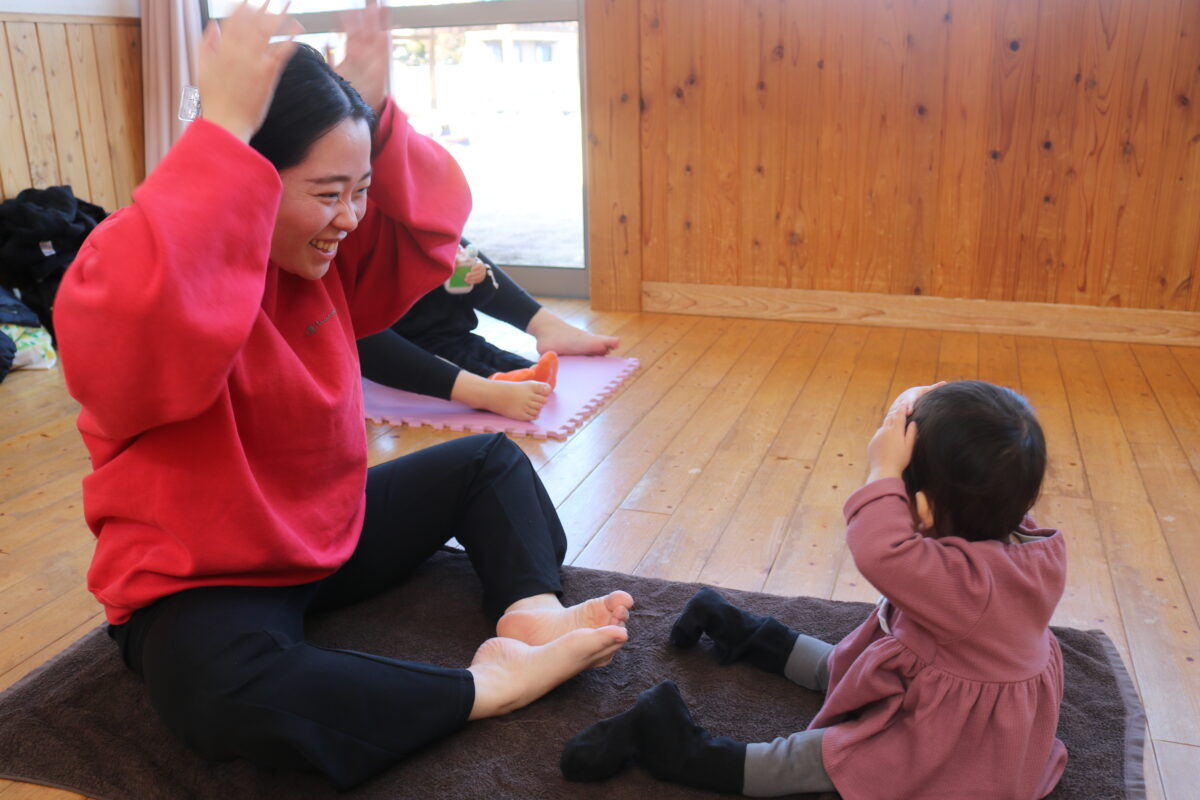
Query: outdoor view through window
x=504 y=100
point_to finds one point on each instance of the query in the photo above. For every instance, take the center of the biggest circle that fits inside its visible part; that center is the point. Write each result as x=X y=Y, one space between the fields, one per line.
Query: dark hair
x=980 y=457
x=310 y=101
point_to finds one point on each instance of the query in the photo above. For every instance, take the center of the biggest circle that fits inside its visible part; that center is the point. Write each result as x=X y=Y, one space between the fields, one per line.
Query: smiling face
x=324 y=197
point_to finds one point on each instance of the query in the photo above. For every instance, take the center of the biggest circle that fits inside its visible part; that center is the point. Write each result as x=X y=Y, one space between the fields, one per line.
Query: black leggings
x=228 y=668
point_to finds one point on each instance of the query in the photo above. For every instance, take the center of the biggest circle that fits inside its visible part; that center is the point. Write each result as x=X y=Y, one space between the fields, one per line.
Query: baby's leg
x=658 y=734
x=808 y=663
x=790 y=765
x=763 y=641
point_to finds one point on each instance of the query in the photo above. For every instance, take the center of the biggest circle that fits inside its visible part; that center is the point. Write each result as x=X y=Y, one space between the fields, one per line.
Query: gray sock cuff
x=808 y=664
x=791 y=765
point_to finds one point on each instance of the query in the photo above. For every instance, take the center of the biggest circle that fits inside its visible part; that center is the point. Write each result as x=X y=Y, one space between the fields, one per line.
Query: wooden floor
x=727 y=460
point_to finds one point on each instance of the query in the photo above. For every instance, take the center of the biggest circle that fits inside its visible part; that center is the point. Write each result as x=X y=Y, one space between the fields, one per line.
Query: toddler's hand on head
x=891 y=447
x=908 y=398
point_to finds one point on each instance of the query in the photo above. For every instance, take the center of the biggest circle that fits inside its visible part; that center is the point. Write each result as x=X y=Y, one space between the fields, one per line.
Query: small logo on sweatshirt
x=311 y=329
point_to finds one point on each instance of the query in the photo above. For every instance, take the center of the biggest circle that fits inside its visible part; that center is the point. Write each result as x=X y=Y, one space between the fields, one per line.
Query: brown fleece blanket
x=82 y=722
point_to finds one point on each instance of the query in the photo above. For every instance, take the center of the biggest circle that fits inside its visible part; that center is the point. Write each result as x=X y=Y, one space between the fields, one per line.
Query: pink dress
x=951 y=689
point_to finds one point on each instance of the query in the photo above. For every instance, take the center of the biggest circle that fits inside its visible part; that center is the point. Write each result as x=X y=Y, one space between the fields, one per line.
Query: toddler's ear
x=924 y=512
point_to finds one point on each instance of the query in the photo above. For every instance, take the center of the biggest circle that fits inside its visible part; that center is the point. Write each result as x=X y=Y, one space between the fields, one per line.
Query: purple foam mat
x=584 y=384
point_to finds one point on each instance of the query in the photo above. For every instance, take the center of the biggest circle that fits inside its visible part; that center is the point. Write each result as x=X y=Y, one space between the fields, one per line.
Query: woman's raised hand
x=367 y=65
x=239 y=67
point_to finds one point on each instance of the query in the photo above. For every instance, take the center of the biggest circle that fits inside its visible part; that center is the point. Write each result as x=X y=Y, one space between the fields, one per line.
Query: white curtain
x=170 y=40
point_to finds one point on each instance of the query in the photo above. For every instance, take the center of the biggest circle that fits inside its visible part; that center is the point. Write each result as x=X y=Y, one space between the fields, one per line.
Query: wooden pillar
x=612 y=119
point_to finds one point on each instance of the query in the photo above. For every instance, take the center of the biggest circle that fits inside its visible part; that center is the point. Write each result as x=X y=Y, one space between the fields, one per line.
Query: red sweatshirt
x=221 y=398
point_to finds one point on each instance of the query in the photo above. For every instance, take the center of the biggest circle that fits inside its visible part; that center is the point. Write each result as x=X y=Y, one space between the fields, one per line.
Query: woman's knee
x=499 y=446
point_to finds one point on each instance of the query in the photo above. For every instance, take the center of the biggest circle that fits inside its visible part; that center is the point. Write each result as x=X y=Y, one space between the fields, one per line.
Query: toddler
x=951 y=687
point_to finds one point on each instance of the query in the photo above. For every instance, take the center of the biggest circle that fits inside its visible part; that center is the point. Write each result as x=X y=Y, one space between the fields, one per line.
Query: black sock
x=602 y=750
x=736 y=634
x=659 y=734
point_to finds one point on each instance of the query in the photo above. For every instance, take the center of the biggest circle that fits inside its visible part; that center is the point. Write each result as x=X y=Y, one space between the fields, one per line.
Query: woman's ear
x=924 y=512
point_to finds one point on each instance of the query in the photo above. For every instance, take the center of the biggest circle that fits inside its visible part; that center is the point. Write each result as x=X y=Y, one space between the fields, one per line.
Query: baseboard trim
x=1144 y=326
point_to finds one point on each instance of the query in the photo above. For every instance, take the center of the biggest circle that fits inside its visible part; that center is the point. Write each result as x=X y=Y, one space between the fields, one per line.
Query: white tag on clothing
x=47 y=248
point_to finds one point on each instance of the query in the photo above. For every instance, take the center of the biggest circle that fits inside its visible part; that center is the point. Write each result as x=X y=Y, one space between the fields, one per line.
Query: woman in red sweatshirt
x=208 y=332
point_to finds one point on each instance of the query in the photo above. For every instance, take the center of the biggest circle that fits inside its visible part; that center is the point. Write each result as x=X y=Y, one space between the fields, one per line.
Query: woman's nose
x=345 y=219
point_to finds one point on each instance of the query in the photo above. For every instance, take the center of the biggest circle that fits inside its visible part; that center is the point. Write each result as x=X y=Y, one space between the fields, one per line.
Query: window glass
x=222 y=8
x=504 y=100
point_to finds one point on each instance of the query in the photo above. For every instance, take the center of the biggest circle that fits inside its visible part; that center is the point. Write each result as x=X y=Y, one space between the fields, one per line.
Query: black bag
x=40 y=234
x=8 y=352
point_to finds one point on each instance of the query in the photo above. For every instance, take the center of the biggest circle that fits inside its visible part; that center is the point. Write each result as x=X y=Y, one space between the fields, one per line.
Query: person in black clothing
x=434 y=351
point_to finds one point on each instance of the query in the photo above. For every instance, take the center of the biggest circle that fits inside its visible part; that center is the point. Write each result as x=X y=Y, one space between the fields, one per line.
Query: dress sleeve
x=406 y=243
x=163 y=294
x=937 y=581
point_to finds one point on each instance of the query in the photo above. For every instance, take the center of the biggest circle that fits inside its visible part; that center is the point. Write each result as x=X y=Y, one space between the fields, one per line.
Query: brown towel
x=82 y=722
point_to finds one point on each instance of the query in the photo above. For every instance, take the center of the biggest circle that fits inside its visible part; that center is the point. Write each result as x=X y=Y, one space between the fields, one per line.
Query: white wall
x=89 y=8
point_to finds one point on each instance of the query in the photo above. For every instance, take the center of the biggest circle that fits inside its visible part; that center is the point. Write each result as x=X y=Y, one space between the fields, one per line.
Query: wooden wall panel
x=652 y=72
x=32 y=97
x=91 y=106
x=64 y=114
x=71 y=111
x=1175 y=241
x=614 y=204
x=119 y=46
x=1007 y=150
x=14 y=170
x=962 y=165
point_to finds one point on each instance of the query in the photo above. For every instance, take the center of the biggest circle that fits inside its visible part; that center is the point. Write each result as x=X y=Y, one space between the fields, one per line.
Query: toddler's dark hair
x=980 y=457
x=310 y=101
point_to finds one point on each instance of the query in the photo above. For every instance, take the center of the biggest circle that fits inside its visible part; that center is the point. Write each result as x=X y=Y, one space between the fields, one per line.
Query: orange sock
x=516 y=375
x=546 y=370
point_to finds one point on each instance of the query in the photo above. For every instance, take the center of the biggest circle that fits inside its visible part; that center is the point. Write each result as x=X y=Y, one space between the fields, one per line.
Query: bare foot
x=521 y=401
x=541 y=619
x=554 y=333
x=510 y=674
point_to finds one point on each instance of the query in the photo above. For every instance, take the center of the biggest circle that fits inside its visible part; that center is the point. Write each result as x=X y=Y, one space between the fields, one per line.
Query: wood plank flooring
x=727 y=458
